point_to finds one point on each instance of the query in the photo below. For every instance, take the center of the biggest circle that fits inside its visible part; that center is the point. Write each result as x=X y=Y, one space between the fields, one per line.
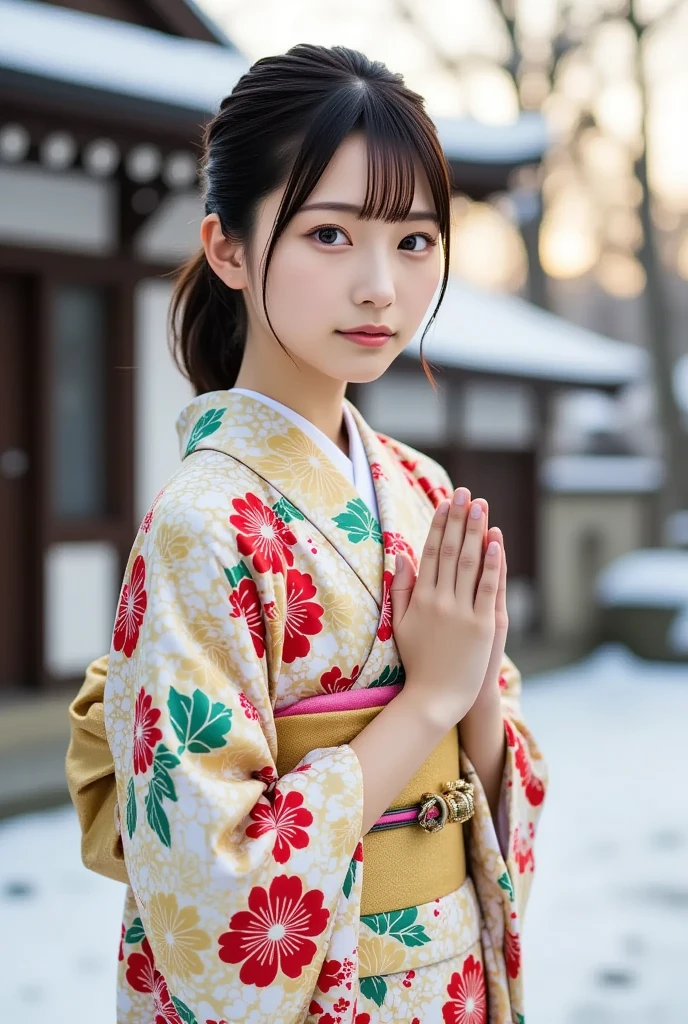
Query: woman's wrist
x=430 y=714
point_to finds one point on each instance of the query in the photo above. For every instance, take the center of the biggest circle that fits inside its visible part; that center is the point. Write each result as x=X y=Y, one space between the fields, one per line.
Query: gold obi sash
x=402 y=866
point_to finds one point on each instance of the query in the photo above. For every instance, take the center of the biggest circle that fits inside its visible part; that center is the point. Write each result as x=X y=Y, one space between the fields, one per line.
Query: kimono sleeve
x=90 y=778
x=503 y=883
x=235 y=872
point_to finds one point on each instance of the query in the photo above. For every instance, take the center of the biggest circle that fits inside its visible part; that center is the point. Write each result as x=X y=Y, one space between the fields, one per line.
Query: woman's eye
x=423 y=239
x=328 y=236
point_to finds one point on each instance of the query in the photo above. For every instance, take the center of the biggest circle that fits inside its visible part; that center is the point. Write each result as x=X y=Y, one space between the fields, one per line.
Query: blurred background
x=561 y=351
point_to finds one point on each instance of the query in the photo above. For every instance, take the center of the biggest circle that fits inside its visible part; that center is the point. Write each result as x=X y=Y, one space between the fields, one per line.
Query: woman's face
x=332 y=272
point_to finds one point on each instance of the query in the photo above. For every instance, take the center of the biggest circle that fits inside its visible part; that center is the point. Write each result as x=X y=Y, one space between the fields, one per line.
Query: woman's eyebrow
x=352 y=208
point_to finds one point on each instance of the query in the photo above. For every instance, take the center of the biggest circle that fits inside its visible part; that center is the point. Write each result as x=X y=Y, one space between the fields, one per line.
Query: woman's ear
x=226 y=258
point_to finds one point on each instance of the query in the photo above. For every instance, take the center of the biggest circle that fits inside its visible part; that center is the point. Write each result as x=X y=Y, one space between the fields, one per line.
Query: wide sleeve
x=237 y=875
x=91 y=778
x=503 y=882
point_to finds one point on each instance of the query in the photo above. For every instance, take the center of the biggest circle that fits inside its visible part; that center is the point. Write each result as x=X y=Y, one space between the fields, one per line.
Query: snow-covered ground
x=606 y=938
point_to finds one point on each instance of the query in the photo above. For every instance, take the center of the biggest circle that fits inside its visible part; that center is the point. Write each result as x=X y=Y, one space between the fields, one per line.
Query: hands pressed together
x=450 y=622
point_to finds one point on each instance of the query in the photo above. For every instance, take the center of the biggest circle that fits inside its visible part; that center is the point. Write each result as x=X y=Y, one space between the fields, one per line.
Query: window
x=79 y=403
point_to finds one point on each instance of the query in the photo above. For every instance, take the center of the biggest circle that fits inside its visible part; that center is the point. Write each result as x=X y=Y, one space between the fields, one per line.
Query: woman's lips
x=368 y=340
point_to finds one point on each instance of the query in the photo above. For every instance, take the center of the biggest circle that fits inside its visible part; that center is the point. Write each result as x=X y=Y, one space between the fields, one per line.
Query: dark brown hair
x=282 y=123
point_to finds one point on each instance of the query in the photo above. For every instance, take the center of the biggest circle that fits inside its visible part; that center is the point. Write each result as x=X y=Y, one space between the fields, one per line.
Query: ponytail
x=207 y=327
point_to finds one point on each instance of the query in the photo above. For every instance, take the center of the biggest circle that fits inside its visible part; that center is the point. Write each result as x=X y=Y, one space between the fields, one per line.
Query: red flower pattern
x=249 y=709
x=120 y=955
x=245 y=601
x=276 y=932
x=268 y=775
x=512 y=953
x=467 y=993
x=143 y=976
x=396 y=544
x=333 y=681
x=533 y=786
x=522 y=846
x=330 y=976
x=146 y=732
x=132 y=605
x=289 y=819
x=302 y=618
x=148 y=518
x=377 y=471
x=262 y=534
x=384 y=629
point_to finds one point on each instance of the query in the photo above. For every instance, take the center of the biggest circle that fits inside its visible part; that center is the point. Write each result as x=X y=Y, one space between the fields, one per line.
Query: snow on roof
x=501 y=334
x=523 y=141
x=601 y=474
x=100 y=53
x=656 y=578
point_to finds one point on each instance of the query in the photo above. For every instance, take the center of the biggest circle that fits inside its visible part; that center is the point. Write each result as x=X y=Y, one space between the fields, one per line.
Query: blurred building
x=102 y=104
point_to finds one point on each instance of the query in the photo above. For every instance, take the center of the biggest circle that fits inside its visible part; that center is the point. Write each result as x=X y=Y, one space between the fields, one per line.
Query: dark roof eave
x=68 y=97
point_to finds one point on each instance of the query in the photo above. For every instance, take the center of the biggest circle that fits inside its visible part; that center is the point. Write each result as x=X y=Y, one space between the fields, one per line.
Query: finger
x=402 y=587
x=501 y=608
x=452 y=540
x=494 y=533
x=427 y=569
x=468 y=568
x=486 y=595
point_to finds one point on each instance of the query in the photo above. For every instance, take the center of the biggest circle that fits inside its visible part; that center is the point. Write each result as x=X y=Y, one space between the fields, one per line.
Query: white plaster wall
x=491 y=415
x=160 y=394
x=81 y=586
x=69 y=211
x=171 y=234
x=405 y=407
x=567 y=581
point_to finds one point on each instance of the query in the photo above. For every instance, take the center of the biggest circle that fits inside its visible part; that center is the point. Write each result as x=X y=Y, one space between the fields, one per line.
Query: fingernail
x=492 y=547
x=476 y=511
x=443 y=507
x=459 y=497
x=398 y=563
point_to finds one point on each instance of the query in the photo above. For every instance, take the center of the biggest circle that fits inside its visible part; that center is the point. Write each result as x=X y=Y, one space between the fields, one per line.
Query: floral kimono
x=259 y=578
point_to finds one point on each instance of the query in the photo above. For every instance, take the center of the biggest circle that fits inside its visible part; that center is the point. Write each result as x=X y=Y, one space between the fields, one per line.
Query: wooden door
x=17 y=486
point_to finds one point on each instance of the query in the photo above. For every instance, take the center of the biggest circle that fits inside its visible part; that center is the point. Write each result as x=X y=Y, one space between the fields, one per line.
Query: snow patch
x=654 y=578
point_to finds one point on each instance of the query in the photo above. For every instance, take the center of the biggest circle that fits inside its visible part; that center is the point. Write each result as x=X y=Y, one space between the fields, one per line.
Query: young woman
x=292 y=816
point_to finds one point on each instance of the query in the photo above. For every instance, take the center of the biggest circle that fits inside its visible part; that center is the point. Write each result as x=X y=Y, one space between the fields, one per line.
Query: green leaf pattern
x=207 y=424
x=374 y=988
x=187 y=1015
x=400 y=925
x=359 y=522
x=506 y=884
x=161 y=787
x=286 y=511
x=239 y=572
x=199 y=724
x=350 y=878
x=135 y=933
x=390 y=676
x=131 y=813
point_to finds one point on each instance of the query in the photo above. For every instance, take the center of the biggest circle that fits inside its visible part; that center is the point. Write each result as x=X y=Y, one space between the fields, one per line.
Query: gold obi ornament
x=415 y=852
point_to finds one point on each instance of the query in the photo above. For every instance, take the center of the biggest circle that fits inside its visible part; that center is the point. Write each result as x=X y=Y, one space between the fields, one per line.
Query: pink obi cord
x=354 y=700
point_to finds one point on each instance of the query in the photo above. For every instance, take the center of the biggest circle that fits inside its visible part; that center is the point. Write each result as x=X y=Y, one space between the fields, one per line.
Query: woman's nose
x=375 y=285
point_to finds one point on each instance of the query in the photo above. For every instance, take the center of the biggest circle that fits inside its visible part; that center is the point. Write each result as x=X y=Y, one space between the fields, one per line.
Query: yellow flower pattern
x=176 y=937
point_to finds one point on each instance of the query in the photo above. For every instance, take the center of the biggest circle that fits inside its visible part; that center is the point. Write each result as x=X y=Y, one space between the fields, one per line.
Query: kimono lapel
x=405 y=513
x=312 y=487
